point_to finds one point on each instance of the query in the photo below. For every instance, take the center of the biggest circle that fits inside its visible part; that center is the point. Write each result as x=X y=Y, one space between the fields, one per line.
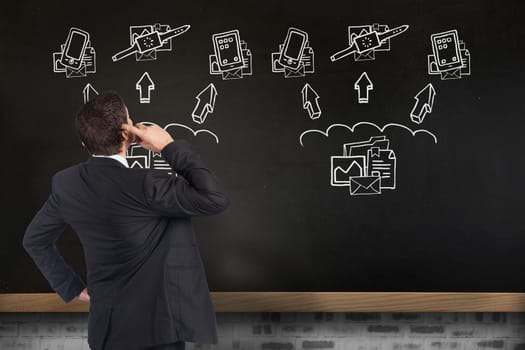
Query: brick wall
x=291 y=331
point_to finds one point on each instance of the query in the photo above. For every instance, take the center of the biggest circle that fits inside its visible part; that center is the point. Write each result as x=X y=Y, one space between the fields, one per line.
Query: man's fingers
x=133 y=129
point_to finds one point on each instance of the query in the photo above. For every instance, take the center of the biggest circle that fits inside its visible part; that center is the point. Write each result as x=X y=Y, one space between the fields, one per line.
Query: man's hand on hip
x=83 y=296
x=152 y=137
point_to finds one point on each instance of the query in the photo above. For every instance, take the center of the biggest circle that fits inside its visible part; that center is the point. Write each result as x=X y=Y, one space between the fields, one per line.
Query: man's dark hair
x=99 y=121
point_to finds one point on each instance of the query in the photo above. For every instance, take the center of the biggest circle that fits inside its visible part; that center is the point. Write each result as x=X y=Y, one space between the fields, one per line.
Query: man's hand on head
x=151 y=137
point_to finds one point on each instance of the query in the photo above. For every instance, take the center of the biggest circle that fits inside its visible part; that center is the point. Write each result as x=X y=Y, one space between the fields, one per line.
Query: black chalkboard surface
x=351 y=175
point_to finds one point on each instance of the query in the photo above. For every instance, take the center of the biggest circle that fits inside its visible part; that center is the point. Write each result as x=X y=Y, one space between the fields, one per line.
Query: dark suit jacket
x=145 y=275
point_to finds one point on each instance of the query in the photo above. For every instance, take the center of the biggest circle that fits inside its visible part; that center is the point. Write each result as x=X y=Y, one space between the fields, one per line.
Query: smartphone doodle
x=445 y=46
x=74 y=49
x=227 y=47
x=293 y=47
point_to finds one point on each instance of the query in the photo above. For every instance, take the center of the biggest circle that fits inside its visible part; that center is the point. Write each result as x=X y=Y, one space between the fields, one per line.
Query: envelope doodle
x=366 y=167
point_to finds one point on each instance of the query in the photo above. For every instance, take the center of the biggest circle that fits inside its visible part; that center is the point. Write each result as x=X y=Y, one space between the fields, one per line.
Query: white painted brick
x=444 y=344
x=228 y=317
x=384 y=330
x=407 y=344
x=518 y=332
x=265 y=317
x=250 y=317
x=235 y=344
x=319 y=344
x=467 y=331
x=71 y=329
x=306 y=317
x=488 y=317
x=487 y=344
x=198 y=346
x=275 y=343
x=298 y=330
x=516 y=317
x=225 y=330
x=12 y=343
x=52 y=344
x=362 y=344
x=245 y=330
x=446 y=317
x=289 y=317
x=404 y=317
x=330 y=329
x=516 y=344
x=85 y=344
x=369 y=317
x=427 y=330
x=8 y=329
x=41 y=329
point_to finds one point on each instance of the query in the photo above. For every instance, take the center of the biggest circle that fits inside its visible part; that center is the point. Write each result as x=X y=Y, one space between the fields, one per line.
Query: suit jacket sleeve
x=195 y=191
x=39 y=241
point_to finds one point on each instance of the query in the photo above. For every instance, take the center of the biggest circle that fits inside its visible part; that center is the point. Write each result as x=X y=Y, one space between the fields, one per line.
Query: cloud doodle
x=353 y=127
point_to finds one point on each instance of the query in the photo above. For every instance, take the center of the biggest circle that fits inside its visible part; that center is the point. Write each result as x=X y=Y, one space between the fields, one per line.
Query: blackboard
x=452 y=221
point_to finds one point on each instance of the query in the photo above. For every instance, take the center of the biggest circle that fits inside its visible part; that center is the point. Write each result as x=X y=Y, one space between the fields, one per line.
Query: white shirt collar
x=116 y=157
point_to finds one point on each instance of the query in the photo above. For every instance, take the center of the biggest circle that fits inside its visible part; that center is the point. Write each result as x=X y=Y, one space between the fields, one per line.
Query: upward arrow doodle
x=424 y=104
x=310 y=101
x=145 y=85
x=205 y=104
x=363 y=85
x=89 y=92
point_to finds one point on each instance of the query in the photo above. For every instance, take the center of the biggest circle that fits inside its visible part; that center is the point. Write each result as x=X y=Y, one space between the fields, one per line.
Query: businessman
x=146 y=285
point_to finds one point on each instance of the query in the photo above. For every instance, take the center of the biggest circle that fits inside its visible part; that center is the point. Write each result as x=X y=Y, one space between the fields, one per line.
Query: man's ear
x=125 y=135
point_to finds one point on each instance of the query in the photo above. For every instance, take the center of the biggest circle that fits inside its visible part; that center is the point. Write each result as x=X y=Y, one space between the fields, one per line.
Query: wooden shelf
x=305 y=302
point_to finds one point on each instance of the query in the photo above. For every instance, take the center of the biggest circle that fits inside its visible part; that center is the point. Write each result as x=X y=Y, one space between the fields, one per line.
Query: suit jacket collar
x=104 y=161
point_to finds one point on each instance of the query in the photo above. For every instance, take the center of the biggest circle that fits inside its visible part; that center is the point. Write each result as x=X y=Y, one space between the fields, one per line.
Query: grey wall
x=290 y=331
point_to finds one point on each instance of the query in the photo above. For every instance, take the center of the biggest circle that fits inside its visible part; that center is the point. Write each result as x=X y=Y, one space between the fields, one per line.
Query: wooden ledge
x=305 y=302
